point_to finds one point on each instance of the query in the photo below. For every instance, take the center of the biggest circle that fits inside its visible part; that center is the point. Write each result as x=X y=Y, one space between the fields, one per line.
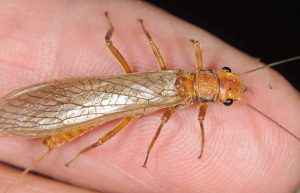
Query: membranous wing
x=60 y=106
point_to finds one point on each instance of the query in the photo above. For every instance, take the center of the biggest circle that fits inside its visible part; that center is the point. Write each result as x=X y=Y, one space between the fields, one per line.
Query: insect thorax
x=206 y=85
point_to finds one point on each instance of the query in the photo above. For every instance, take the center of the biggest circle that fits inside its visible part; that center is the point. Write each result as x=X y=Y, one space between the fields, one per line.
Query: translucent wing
x=56 y=107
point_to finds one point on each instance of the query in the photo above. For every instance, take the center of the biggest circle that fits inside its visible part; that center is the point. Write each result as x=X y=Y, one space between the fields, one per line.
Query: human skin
x=244 y=151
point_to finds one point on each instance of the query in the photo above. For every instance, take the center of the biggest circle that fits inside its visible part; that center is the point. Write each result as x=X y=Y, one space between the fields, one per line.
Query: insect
x=60 y=111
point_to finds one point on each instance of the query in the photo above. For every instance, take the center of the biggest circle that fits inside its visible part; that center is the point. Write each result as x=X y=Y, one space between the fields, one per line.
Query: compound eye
x=228 y=102
x=227 y=69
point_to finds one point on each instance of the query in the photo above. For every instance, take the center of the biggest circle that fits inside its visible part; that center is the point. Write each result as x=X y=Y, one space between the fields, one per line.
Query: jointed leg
x=113 y=49
x=154 y=48
x=28 y=169
x=198 y=53
x=203 y=106
x=201 y=116
x=125 y=121
x=166 y=116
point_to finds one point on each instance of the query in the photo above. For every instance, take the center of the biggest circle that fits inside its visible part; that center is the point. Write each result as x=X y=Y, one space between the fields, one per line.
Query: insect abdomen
x=62 y=106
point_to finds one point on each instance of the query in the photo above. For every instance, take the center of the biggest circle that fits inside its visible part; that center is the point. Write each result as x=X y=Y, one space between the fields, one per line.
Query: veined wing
x=56 y=107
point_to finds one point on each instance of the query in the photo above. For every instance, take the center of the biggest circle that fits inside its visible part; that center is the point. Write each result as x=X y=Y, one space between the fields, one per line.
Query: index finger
x=117 y=165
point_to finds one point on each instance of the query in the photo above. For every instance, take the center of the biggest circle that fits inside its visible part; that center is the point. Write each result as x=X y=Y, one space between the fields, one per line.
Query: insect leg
x=166 y=116
x=198 y=53
x=159 y=58
x=125 y=121
x=127 y=68
x=28 y=169
x=201 y=116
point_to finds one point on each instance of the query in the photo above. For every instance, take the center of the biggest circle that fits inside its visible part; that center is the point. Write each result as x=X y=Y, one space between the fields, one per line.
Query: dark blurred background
x=266 y=30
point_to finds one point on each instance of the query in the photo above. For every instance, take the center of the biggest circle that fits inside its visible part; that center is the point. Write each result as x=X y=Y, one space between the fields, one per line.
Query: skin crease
x=244 y=152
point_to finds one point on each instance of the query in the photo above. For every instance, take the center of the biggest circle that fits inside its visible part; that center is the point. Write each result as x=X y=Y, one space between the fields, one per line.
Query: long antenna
x=269 y=118
x=273 y=64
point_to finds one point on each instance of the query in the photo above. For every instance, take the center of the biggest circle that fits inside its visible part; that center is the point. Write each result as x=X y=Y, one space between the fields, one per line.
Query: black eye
x=227 y=69
x=228 y=102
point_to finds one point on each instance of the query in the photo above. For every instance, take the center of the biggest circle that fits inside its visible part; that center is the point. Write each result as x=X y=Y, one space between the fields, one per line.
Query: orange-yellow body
x=209 y=86
x=65 y=109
